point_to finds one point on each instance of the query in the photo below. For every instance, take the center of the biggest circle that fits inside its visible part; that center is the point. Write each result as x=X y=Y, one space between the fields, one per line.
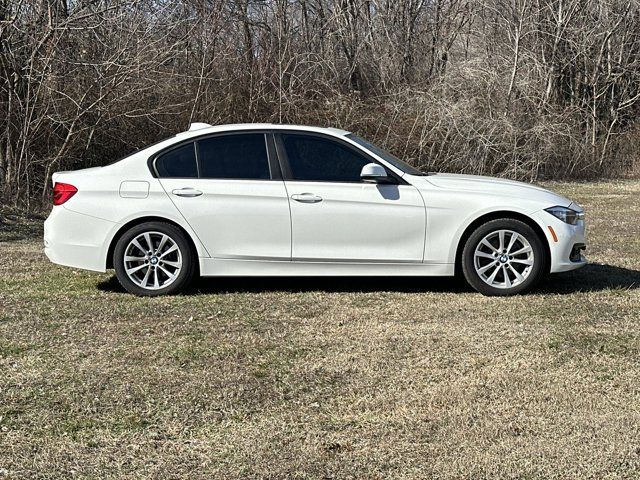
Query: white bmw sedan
x=282 y=200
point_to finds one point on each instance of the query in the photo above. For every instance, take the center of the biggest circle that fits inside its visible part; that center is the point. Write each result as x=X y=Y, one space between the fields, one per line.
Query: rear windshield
x=133 y=152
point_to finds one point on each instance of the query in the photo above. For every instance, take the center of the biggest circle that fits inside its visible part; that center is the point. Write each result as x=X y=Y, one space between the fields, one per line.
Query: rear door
x=229 y=189
x=335 y=216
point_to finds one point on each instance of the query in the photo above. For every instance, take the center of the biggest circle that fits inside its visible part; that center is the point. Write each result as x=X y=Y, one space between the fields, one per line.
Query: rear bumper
x=76 y=240
x=566 y=246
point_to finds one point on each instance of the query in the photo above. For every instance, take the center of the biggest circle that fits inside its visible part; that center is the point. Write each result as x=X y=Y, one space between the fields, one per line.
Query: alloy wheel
x=503 y=259
x=152 y=260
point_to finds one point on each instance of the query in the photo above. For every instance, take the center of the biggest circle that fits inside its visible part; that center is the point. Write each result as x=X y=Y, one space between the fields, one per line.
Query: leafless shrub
x=519 y=88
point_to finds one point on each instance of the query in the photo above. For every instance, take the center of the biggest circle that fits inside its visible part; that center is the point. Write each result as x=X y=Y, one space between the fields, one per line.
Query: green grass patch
x=13 y=350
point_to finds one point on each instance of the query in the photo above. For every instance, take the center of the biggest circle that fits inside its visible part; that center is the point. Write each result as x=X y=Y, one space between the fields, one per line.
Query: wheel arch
x=508 y=214
x=138 y=221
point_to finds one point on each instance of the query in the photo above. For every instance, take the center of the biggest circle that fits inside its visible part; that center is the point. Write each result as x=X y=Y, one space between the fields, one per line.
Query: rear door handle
x=186 y=192
x=306 y=198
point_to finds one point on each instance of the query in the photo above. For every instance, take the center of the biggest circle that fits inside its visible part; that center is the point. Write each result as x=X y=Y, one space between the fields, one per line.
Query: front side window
x=318 y=159
x=238 y=156
x=178 y=163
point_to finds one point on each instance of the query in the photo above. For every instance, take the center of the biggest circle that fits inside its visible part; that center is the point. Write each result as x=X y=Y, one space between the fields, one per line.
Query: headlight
x=565 y=214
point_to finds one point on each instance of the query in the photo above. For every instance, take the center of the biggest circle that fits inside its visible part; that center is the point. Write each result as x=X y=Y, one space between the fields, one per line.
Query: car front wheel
x=154 y=258
x=503 y=257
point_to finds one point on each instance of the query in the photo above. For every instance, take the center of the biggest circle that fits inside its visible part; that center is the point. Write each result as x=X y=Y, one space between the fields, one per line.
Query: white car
x=283 y=200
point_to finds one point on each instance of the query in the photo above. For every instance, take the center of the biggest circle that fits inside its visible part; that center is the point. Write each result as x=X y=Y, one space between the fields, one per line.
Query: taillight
x=63 y=192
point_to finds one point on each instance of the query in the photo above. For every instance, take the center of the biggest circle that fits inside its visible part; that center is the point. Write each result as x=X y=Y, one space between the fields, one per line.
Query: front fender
x=451 y=214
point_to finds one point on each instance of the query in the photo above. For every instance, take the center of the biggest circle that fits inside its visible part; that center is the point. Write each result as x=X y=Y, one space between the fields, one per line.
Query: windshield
x=386 y=156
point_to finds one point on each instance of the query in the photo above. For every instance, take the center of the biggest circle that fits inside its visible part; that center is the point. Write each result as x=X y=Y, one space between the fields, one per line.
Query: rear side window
x=178 y=163
x=317 y=159
x=239 y=156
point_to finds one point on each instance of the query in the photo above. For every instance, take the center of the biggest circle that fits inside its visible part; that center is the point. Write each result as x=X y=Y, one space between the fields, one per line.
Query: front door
x=337 y=217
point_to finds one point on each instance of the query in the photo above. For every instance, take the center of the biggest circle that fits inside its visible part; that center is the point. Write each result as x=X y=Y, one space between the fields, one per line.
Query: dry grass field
x=325 y=378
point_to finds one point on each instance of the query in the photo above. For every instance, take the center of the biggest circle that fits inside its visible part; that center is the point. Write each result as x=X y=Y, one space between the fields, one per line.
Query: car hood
x=493 y=186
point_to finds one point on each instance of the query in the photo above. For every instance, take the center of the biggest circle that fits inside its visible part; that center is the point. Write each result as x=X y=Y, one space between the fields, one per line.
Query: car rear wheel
x=154 y=258
x=503 y=257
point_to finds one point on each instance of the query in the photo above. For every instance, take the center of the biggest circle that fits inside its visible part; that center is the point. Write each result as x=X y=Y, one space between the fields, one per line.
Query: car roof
x=200 y=128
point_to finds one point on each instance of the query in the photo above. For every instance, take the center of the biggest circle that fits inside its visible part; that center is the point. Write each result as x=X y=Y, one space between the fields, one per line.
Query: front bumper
x=566 y=242
x=76 y=240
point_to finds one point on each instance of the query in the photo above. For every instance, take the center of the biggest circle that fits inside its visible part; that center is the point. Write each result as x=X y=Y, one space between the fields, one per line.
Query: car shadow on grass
x=593 y=277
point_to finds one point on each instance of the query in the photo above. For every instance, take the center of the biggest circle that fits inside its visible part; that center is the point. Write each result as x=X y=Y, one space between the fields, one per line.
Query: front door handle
x=186 y=192
x=306 y=198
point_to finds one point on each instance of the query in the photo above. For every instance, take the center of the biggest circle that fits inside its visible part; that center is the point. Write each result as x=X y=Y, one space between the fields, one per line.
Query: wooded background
x=520 y=88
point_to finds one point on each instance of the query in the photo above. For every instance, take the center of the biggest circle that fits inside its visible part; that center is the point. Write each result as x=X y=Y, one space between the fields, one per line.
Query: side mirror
x=374 y=173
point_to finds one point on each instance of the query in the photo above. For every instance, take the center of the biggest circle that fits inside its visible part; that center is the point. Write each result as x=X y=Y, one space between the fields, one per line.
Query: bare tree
x=522 y=88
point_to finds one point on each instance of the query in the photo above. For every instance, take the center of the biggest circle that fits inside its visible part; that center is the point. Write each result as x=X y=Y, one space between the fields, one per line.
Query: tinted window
x=179 y=162
x=241 y=156
x=319 y=159
x=392 y=159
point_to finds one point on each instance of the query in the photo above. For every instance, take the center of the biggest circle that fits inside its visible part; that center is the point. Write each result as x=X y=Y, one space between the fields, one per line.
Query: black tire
x=534 y=275
x=187 y=256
